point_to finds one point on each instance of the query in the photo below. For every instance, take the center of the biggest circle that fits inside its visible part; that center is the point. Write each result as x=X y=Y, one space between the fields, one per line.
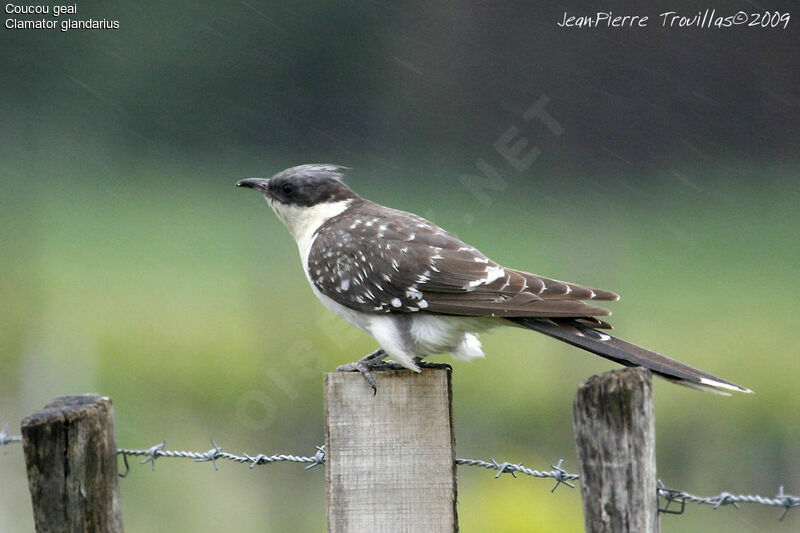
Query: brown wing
x=385 y=260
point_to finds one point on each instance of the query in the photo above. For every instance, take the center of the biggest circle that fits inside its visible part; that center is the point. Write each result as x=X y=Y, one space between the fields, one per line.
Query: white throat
x=302 y=222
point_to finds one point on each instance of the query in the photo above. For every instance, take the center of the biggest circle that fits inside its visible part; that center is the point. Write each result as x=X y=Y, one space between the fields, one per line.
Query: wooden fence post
x=71 y=458
x=390 y=459
x=615 y=436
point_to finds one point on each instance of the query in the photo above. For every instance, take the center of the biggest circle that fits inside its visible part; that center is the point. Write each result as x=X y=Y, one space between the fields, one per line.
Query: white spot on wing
x=492 y=273
x=396 y=302
x=412 y=292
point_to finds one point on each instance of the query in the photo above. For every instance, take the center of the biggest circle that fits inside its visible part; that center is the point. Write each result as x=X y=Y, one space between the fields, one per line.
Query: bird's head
x=305 y=195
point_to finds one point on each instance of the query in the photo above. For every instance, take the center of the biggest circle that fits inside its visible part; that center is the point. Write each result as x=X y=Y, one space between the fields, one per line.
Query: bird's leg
x=366 y=364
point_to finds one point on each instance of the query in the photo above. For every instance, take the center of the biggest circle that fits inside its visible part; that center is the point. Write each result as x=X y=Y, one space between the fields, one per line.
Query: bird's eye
x=288 y=189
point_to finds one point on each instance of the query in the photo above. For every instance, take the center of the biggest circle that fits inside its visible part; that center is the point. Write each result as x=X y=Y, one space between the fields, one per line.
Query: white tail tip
x=721 y=385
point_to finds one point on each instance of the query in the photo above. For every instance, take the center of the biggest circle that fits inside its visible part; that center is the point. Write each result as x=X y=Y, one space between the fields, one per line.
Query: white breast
x=303 y=223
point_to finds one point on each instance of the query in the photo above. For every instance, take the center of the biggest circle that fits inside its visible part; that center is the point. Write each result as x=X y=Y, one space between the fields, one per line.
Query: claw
x=364 y=367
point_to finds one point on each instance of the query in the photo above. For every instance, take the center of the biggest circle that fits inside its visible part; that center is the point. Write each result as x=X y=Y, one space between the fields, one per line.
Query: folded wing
x=398 y=262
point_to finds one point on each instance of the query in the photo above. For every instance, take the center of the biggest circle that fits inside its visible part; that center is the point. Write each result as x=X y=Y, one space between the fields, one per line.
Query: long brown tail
x=628 y=354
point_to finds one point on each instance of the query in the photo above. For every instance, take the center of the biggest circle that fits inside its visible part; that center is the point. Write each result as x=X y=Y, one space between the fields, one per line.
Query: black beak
x=259 y=184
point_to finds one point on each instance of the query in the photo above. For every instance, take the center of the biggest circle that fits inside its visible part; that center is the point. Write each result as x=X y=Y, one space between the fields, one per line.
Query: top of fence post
x=615 y=436
x=71 y=458
x=390 y=458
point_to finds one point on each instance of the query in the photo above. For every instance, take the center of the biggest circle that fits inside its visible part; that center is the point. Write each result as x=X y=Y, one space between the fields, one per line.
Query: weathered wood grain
x=390 y=461
x=71 y=458
x=615 y=436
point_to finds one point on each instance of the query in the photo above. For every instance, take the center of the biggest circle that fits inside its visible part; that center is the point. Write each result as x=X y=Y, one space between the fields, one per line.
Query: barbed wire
x=558 y=473
x=561 y=476
x=787 y=501
x=153 y=453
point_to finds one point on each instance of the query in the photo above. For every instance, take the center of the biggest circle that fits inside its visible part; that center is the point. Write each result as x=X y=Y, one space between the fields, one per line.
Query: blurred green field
x=181 y=298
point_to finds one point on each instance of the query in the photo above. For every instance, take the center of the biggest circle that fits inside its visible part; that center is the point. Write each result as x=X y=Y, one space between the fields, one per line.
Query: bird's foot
x=365 y=365
x=375 y=361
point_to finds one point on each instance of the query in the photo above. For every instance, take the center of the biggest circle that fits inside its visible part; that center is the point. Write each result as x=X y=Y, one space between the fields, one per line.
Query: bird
x=419 y=290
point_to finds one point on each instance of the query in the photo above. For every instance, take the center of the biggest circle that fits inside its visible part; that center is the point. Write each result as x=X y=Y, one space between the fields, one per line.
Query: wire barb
x=6 y=438
x=319 y=458
x=561 y=476
x=725 y=498
x=153 y=454
x=211 y=455
x=503 y=468
x=788 y=501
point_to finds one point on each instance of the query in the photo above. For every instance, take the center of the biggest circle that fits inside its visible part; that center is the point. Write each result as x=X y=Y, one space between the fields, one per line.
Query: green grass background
x=181 y=298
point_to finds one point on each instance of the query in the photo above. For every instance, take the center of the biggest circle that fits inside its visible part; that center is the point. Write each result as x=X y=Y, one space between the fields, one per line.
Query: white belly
x=433 y=334
x=406 y=337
